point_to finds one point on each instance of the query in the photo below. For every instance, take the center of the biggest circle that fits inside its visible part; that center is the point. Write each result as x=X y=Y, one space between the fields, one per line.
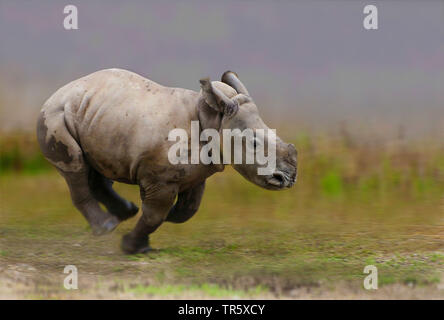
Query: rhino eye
x=256 y=143
x=253 y=144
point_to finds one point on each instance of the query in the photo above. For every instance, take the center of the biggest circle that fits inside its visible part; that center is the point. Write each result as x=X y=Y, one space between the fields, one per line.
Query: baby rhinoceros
x=114 y=125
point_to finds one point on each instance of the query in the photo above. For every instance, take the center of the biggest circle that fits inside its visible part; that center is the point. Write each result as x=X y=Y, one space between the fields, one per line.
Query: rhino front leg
x=187 y=204
x=156 y=203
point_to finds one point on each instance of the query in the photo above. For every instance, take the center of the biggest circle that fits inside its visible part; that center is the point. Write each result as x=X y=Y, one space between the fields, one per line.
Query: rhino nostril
x=279 y=177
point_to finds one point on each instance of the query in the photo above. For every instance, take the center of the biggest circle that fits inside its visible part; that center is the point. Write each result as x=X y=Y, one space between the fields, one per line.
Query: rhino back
x=122 y=120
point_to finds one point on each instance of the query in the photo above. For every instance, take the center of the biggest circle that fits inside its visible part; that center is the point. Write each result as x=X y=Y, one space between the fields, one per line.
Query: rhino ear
x=217 y=100
x=208 y=117
x=207 y=93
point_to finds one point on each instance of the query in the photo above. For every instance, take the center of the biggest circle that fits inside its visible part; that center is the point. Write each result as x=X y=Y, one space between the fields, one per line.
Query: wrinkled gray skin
x=113 y=125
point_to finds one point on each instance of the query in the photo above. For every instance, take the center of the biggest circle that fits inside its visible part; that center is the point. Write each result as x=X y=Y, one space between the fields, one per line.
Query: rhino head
x=226 y=104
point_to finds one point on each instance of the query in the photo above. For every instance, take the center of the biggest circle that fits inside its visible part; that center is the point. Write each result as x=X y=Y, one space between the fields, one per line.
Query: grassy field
x=356 y=203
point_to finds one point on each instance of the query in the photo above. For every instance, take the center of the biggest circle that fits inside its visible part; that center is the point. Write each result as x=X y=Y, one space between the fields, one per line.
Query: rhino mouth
x=280 y=180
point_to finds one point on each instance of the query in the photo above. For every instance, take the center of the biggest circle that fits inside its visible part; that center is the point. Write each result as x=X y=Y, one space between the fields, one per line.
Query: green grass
x=351 y=207
x=210 y=290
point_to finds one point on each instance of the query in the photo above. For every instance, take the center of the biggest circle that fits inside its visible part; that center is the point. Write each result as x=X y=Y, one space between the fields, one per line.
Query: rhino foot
x=106 y=227
x=131 y=245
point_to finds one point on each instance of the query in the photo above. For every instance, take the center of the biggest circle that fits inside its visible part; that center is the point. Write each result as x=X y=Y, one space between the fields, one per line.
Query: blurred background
x=365 y=108
x=308 y=63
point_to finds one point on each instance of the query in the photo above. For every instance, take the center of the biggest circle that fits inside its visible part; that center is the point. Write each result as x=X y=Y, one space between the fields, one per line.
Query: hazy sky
x=311 y=61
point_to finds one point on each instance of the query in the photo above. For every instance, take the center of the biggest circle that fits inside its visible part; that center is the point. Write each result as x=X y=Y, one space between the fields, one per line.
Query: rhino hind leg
x=63 y=151
x=102 y=190
x=101 y=222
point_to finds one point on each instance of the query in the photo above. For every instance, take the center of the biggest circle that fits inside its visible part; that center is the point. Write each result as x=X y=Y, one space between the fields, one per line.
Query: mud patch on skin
x=54 y=150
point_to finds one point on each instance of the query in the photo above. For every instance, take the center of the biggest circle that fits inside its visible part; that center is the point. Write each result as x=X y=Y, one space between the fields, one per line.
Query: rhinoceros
x=113 y=125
